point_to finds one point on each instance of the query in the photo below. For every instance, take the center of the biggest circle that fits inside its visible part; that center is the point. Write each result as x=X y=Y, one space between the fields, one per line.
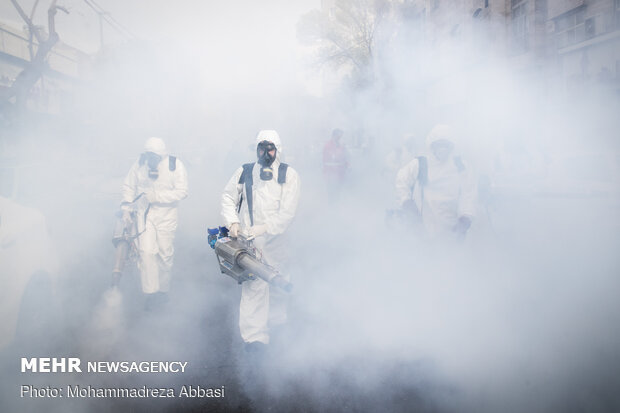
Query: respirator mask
x=442 y=149
x=266 y=154
x=152 y=160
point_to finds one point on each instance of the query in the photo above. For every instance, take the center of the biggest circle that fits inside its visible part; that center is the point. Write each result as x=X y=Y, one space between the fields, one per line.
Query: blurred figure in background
x=335 y=165
x=260 y=201
x=400 y=156
x=438 y=188
x=162 y=179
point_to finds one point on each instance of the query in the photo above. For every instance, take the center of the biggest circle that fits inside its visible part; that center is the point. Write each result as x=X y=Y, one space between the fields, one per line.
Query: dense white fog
x=522 y=316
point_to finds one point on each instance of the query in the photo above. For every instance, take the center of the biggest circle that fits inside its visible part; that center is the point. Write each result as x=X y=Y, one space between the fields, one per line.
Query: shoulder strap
x=282 y=173
x=422 y=178
x=458 y=162
x=422 y=170
x=172 y=163
x=246 y=178
x=247 y=173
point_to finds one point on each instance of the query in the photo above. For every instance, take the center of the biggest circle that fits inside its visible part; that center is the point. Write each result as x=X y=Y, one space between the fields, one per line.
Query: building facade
x=64 y=65
x=571 y=46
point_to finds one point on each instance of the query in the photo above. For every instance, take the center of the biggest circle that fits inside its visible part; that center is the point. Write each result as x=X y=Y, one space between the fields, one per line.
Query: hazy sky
x=187 y=20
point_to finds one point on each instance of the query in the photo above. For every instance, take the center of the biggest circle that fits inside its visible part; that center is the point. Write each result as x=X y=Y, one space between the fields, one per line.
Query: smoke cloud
x=519 y=317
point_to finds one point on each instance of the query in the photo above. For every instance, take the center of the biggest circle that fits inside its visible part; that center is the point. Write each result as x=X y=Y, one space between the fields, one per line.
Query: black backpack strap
x=422 y=170
x=247 y=173
x=458 y=162
x=246 y=178
x=282 y=173
x=172 y=163
x=422 y=178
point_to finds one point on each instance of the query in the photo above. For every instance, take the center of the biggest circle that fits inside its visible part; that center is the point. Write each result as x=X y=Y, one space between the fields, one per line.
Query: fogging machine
x=126 y=232
x=238 y=259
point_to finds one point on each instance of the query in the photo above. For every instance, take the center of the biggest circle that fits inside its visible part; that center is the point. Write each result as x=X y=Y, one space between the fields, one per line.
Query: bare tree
x=345 y=34
x=29 y=76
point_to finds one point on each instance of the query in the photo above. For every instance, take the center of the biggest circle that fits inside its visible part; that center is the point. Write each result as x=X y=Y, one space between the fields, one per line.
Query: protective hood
x=155 y=145
x=270 y=136
x=440 y=132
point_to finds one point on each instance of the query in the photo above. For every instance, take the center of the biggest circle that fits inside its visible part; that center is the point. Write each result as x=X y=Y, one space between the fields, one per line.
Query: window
x=519 y=25
x=571 y=28
x=590 y=28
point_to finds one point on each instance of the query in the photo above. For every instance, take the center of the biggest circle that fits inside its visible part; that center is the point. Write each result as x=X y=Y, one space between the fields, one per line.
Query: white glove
x=234 y=230
x=127 y=218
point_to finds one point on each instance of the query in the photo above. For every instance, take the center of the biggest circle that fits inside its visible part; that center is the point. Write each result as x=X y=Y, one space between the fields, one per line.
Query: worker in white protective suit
x=439 y=188
x=264 y=215
x=28 y=261
x=162 y=179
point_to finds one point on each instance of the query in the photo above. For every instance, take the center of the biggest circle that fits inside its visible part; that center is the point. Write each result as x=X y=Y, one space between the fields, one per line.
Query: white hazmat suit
x=449 y=193
x=26 y=249
x=155 y=244
x=274 y=206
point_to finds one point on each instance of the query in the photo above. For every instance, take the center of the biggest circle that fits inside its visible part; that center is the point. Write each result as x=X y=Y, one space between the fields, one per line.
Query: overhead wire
x=111 y=20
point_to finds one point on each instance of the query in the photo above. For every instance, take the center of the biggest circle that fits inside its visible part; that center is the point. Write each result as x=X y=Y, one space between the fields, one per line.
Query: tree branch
x=33 y=72
x=31 y=26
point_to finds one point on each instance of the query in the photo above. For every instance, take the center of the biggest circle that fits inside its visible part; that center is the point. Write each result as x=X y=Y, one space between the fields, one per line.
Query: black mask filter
x=152 y=160
x=265 y=159
x=266 y=173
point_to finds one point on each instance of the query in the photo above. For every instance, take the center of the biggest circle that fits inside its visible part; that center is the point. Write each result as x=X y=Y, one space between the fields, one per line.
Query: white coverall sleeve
x=230 y=199
x=405 y=182
x=468 y=195
x=179 y=189
x=130 y=184
x=278 y=223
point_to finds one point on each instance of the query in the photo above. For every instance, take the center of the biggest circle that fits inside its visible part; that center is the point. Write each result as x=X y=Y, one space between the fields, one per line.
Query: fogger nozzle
x=120 y=258
x=237 y=262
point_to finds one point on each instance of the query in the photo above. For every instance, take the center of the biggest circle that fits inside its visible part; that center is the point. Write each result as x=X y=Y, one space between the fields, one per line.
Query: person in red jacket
x=335 y=164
